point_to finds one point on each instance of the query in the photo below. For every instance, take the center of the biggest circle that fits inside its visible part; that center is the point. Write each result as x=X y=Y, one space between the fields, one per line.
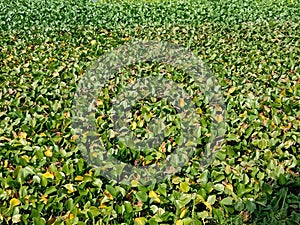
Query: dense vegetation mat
x=253 y=49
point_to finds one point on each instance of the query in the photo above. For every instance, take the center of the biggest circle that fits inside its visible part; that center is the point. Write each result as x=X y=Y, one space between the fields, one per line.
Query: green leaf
x=267 y=188
x=142 y=196
x=221 y=155
x=218 y=214
x=211 y=199
x=239 y=205
x=70 y=204
x=226 y=201
x=204 y=177
x=94 y=211
x=250 y=206
x=282 y=179
x=50 y=190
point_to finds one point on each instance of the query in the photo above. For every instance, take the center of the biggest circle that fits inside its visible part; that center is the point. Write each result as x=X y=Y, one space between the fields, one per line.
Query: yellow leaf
x=199 y=110
x=45 y=199
x=218 y=108
x=71 y=216
x=10 y=57
x=208 y=206
x=95 y=154
x=147 y=162
x=227 y=169
x=182 y=214
x=162 y=147
x=155 y=196
x=79 y=178
x=5 y=164
x=103 y=206
x=70 y=188
x=219 y=118
x=184 y=186
x=93 y=42
x=108 y=195
x=67 y=114
x=131 y=81
x=139 y=221
x=278 y=100
x=22 y=135
x=243 y=114
x=26 y=157
x=73 y=138
x=14 y=202
x=99 y=102
x=231 y=90
x=152 y=194
x=48 y=153
x=55 y=74
x=134 y=124
x=48 y=175
x=179 y=222
x=199 y=199
x=176 y=180
x=135 y=183
x=229 y=186
x=181 y=102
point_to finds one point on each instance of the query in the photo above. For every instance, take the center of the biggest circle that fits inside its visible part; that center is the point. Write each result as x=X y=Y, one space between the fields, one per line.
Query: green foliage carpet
x=251 y=47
